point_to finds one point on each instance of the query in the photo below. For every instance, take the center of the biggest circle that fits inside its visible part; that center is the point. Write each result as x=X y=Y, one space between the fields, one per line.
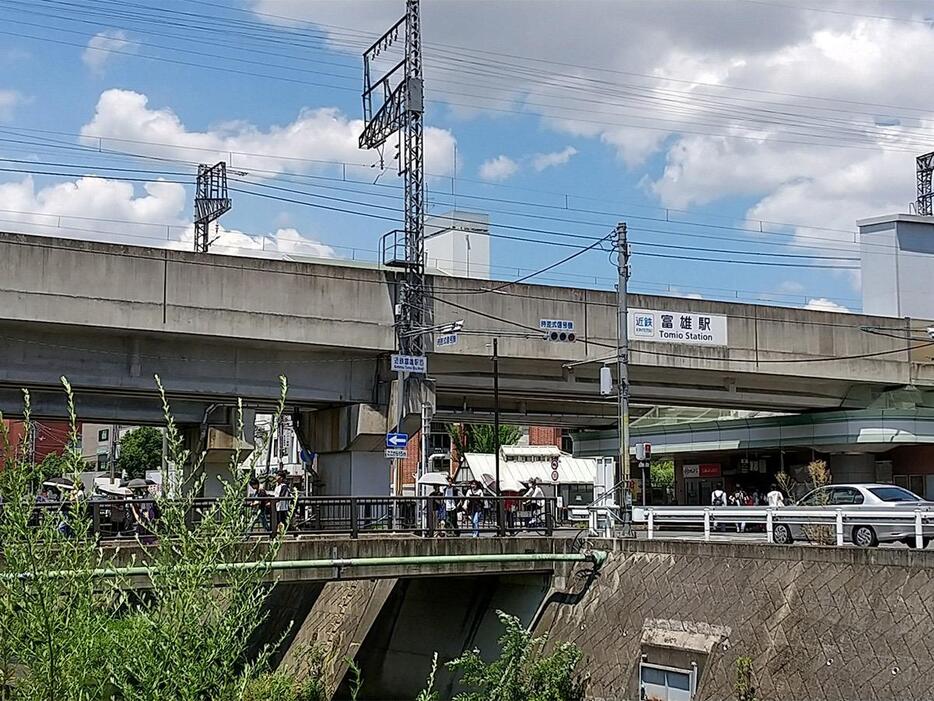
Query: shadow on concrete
x=447 y=615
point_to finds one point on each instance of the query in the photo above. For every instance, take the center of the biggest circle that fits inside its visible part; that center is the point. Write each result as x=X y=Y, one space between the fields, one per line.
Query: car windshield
x=893 y=494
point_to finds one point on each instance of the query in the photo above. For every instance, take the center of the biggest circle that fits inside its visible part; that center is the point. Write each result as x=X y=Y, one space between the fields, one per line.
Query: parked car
x=875 y=497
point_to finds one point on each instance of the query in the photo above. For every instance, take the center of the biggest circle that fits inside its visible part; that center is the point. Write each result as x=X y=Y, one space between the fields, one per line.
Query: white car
x=876 y=497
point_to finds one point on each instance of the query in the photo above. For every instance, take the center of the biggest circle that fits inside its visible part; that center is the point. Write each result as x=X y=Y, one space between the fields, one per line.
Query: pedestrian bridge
x=325 y=559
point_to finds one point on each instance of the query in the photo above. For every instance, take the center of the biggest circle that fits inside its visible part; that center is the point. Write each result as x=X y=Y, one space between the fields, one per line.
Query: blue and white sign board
x=397 y=440
x=688 y=328
x=416 y=364
x=396 y=453
x=448 y=339
x=556 y=325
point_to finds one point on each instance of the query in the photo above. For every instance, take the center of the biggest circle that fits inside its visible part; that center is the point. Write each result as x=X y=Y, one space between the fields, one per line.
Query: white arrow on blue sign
x=397 y=440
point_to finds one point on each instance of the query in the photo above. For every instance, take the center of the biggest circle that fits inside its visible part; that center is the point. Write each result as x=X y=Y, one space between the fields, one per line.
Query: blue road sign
x=397 y=440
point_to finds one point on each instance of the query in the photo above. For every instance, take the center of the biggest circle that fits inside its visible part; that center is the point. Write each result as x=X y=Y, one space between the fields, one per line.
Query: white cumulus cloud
x=104 y=46
x=541 y=161
x=322 y=134
x=101 y=209
x=822 y=304
x=498 y=169
x=809 y=111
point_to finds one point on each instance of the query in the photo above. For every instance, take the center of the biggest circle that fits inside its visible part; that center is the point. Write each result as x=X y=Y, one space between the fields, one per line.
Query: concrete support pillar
x=349 y=442
x=219 y=442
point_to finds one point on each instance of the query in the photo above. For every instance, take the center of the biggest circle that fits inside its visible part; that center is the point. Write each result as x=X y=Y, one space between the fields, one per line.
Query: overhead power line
x=356 y=212
x=840 y=136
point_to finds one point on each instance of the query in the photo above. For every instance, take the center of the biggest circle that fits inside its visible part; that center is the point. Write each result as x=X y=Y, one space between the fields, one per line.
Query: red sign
x=554 y=475
x=710 y=469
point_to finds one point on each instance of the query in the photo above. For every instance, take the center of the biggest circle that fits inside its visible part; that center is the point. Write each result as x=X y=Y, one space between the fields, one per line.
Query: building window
x=665 y=683
x=103 y=435
x=567 y=444
x=439 y=441
x=577 y=494
x=441 y=465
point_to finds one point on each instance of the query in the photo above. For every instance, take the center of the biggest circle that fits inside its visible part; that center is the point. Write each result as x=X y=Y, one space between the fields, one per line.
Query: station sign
x=556 y=324
x=415 y=364
x=711 y=469
x=687 y=328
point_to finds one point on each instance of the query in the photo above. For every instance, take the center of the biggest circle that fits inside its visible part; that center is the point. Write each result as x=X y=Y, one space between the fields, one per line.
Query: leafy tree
x=53 y=465
x=478 y=438
x=663 y=474
x=521 y=672
x=140 y=450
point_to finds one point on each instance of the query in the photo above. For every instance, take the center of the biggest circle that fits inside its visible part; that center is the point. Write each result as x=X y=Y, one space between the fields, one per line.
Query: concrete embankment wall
x=817 y=623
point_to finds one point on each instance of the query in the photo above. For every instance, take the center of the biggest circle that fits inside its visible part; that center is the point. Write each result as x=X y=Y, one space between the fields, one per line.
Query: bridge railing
x=916 y=525
x=341 y=515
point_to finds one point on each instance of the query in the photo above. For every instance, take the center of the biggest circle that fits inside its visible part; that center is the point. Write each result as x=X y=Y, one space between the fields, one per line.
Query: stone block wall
x=817 y=623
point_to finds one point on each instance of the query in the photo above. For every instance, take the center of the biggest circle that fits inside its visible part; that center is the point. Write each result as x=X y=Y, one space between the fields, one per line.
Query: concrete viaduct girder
x=216 y=327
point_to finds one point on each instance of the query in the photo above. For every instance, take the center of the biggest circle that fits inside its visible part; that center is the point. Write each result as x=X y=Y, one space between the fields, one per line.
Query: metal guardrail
x=116 y=519
x=919 y=522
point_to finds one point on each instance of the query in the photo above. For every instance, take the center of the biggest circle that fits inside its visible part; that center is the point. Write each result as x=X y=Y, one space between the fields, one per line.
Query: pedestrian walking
x=284 y=502
x=142 y=513
x=739 y=499
x=255 y=494
x=474 y=506
x=535 y=501
x=718 y=498
x=775 y=498
x=451 y=506
x=437 y=513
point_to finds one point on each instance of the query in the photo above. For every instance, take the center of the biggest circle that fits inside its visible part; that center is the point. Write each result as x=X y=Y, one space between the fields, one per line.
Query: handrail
x=116 y=518
x=921 y=518
x=596 y=557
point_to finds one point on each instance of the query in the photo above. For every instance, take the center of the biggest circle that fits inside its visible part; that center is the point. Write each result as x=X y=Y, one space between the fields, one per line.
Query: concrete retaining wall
x=817 y=623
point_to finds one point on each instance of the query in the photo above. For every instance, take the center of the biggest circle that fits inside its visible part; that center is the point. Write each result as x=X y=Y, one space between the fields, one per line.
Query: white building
x=100 y=444
x=560 y=474
x=457 y=243
x=897 y=265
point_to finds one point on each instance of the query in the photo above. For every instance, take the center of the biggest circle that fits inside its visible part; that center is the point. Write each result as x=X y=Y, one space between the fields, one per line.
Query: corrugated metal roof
x=570 y=470
x=525 y=450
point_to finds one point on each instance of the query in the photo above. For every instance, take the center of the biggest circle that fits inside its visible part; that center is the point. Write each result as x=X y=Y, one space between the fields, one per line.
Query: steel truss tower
x=211 y=201
x=924 y=204
x=399 y=99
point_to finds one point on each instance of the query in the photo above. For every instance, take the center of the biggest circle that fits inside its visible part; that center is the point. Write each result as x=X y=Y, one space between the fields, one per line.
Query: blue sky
x=549 y=108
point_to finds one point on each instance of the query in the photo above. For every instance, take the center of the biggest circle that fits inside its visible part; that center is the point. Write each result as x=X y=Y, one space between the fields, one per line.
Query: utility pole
x=211 y=201
x=114 y=430
x=423 y=463
x=622 y=371
x=925 y=169
x=499 y=502
x=399 y=108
